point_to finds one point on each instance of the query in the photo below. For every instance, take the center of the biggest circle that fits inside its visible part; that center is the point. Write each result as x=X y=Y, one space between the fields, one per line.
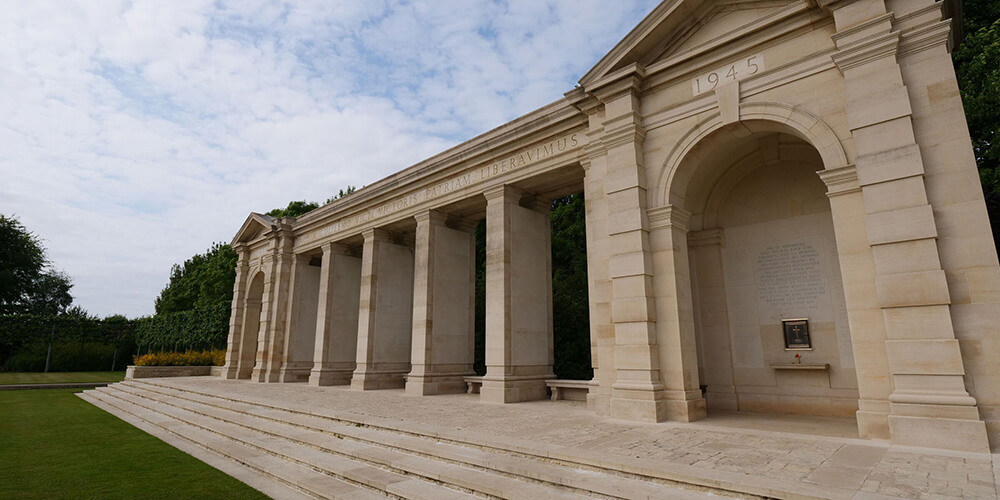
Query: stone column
x=519 y=350
x=638 y=392
x=300 y=323
x=233 y=343
x=709 y=295
x=385 y=321
x=929 y=405
x=443 y=307
x=678 y=353
x=278 y=273
x=334 y=356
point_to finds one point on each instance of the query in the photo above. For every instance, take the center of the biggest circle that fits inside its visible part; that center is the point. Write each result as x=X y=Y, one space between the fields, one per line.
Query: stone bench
x=570 y=390
x=473 y=384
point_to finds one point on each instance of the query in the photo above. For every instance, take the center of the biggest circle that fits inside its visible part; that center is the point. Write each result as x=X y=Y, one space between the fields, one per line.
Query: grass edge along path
x=54 y=445
x=16 y=378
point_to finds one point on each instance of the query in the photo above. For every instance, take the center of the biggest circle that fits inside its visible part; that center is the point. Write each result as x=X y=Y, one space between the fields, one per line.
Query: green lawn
x=55 y=445
x=9 y=378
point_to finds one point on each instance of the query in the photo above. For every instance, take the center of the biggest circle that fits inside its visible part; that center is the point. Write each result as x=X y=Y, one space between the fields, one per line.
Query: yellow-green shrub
x=216 y=357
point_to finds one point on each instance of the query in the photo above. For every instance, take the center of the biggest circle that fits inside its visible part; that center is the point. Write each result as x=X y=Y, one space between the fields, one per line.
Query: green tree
x=294 y=209
x=28 y=284
x=343 y=192
x=50 y=294
x=977 y=65
x=570 y=298
x=204 y=280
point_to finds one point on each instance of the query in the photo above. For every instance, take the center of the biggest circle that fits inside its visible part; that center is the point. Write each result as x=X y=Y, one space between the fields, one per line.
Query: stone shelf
x=802 y=366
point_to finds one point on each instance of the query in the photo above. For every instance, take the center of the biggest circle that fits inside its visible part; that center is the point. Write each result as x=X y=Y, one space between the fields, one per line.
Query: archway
x=762 y=254
x=251 y=326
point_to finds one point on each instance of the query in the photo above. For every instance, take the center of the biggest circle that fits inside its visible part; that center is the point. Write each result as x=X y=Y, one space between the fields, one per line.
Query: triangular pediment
x=677 y=27
x=255 y=225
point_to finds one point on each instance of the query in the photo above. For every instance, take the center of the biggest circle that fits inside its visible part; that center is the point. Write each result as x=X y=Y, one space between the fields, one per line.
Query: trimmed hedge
x=215 y=357
x=200 y=328
x=78 y=343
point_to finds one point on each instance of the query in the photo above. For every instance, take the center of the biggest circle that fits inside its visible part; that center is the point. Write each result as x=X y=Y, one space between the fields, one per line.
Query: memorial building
x=783 y=216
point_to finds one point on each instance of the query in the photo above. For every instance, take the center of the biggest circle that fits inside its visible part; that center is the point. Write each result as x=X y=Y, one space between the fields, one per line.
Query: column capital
x=333 y=248
x=626 y=81
x=505 y=192
x=431 y=216
x=376 y=234
x=463 y=224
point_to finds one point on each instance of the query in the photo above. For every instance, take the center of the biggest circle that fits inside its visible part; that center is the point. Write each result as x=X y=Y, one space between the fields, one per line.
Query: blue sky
x=133 y=134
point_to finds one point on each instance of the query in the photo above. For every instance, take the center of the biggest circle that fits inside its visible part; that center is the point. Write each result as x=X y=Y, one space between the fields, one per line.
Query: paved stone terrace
x=721 y=450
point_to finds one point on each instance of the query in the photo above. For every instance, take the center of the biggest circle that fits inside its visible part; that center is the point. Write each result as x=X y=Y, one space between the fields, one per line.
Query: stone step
x=537 y=469
x=291 y=480
x=326 y=467
x=424 y=465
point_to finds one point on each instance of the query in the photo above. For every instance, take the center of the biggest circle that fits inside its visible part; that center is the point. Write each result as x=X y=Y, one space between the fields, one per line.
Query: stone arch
x=750 y=190
x=251 y=323
x=754 y=117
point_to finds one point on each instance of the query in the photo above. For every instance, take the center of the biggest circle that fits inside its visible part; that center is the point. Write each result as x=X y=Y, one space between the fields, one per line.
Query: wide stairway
x=288 y=453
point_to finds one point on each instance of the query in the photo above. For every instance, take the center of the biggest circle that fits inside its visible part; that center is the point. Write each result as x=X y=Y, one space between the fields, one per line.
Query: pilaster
x=234 y=341
x=274 y=304
x=675 y=333
x=929 y=405
x=638 y=392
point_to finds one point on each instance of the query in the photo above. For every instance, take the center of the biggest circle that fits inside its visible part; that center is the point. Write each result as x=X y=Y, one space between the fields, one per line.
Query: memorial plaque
x=796 y=333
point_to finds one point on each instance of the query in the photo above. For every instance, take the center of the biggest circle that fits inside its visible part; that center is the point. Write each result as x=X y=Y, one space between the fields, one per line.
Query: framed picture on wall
x=796 y=333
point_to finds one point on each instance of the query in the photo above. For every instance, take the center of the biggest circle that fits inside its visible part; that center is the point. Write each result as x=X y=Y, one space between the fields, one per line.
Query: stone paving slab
x=783 y=464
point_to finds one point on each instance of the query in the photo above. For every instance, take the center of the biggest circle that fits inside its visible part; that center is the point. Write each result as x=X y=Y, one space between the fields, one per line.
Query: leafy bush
x=215 y=357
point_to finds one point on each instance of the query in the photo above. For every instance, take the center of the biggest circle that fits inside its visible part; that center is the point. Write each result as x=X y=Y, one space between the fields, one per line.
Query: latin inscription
x=507 y=164
x=729 y=73
x=790 y=275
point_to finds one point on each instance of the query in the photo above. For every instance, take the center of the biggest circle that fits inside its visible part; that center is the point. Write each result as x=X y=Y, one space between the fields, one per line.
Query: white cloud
x=133 y=134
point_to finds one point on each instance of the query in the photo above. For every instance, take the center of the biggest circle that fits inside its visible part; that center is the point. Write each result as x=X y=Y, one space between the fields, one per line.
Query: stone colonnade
x=743 y=165
x=398 y=310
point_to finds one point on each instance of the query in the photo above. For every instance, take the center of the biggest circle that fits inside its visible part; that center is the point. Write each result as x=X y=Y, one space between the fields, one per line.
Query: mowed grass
x=54 y=445
x=12 y=378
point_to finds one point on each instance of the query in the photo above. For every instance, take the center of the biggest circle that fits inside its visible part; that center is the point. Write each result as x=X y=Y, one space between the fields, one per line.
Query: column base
x=230 y=372
x=437 y=383
x=514 y=389
x=294 y=374
x=685 y=406
x=326 y=376
x=383 y=379
x=640 y=404
x=873 y=419
x=259 y=375
x=721 y=397
x=942 y=433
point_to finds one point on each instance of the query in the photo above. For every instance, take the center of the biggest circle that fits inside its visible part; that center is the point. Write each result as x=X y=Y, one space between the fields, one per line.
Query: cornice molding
x=707 y=238
x=839 y=181
x=668 y=216
x=867 y=50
